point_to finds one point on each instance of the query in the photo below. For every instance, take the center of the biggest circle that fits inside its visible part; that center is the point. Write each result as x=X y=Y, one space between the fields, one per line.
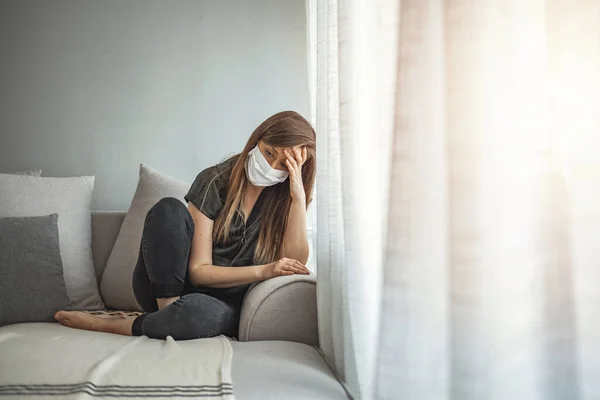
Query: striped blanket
x=47 y=360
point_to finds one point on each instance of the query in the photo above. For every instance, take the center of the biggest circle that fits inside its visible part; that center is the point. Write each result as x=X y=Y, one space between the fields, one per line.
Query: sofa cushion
x=105 y=229
x=48 y=360
x=273 y=370
x=260 y=370
x=116 y=285
x=33 y=172
x=70 y=198
x=32 y=287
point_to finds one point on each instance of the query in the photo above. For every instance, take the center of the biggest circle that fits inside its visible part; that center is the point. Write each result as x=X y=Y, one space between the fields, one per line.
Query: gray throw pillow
x=70 y=198
x=116 y=286
x=32 y=287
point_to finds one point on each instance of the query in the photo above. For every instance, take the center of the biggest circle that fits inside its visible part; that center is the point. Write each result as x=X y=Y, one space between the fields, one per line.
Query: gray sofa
x=276 y=356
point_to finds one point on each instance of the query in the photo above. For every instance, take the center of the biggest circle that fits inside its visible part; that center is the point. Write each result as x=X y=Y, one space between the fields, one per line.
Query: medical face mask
x=260 y=173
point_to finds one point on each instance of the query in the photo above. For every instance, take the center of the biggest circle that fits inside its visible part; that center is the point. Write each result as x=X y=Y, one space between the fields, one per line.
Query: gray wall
x=97 y=87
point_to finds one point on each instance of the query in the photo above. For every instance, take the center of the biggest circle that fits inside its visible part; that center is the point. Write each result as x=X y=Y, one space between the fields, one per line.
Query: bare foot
x=116 y=317
x=79 y=320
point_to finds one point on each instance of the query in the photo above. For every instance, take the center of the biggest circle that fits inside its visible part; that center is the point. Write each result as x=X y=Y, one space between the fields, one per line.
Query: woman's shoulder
x=218 y=174
x=224 y=168
x=209 y=189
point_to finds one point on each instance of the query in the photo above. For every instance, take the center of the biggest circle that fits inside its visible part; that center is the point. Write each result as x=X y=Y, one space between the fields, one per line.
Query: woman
x=245 y=222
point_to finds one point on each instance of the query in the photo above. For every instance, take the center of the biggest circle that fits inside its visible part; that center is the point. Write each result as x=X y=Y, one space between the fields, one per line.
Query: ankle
x=163 y=302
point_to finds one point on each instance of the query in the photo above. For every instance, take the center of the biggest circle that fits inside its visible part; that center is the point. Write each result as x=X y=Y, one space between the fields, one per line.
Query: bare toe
x=59 y=315
x=63 y=318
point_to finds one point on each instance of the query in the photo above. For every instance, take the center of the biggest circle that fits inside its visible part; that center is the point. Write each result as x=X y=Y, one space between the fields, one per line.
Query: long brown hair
x=284 y=129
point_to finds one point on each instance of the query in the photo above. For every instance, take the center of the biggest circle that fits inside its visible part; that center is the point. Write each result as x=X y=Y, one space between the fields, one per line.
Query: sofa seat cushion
x=260 y=370
x=48 y=360
x=273 y=370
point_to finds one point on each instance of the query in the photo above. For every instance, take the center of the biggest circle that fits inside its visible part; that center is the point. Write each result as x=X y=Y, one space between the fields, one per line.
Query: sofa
x=276 y=355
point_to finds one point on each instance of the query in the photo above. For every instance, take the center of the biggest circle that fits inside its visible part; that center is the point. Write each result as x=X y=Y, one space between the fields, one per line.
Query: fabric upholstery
x=33 y=172
x=74 y=364
x=265 y=370
x=32 y=287
x=282 y=308
x=273 y=370
x=105 y=229
x=70 y=198
x=116 y=285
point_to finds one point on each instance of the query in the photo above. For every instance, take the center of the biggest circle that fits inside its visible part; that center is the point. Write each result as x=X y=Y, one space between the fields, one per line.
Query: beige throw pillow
x=116 y=286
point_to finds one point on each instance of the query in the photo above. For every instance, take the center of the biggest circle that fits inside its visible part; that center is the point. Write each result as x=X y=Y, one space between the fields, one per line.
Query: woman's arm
x=295 y=239
x=203 y=273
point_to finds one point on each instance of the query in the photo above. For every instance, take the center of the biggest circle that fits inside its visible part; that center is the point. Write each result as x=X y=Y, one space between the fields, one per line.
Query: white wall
x=94 y=87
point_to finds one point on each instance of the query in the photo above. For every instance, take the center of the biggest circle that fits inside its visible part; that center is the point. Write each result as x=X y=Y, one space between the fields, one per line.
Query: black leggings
x=161 y=271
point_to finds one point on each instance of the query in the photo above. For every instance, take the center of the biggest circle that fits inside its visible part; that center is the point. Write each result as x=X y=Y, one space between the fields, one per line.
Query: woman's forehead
x=278 y=147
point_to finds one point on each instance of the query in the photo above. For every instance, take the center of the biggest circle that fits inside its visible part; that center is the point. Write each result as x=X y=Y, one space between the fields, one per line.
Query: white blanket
x=47 y=360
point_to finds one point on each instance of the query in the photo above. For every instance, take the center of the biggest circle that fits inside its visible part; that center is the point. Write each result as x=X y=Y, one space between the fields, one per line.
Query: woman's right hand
x=285 y=266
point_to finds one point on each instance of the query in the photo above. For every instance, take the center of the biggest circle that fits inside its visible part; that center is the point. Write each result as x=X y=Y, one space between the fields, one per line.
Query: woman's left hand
x=295 y=159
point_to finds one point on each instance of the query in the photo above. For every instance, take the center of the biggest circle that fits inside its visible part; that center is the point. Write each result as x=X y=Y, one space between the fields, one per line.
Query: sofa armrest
x=282 y=308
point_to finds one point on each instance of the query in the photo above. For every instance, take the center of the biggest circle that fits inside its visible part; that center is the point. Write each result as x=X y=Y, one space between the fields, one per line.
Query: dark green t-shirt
x=208 y=193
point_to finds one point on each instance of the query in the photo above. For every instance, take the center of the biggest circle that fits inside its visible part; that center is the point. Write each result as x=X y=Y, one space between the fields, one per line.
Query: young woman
x=245 y=222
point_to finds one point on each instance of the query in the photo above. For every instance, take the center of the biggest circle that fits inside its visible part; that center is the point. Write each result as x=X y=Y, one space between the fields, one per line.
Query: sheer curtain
x=354 y=127
x=459 y=197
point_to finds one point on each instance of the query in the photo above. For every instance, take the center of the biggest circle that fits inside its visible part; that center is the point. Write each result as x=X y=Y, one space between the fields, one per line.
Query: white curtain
x=354 y=122
x=459 y=197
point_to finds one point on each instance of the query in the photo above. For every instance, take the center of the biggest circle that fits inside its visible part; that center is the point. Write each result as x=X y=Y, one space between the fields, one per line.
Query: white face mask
x=260 y=173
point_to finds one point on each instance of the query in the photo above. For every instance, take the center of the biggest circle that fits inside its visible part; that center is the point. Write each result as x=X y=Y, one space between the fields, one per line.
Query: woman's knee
x=192 y=316
x=169 y=207
x=206 y=315
x=169 y=212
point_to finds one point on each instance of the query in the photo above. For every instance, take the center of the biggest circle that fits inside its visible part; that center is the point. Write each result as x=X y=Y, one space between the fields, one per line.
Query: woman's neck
x=253 y=190
x=249 y=200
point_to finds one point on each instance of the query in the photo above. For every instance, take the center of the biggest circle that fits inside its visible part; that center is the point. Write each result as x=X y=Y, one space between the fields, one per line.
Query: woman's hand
x=285 y=266
x=295 y=159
